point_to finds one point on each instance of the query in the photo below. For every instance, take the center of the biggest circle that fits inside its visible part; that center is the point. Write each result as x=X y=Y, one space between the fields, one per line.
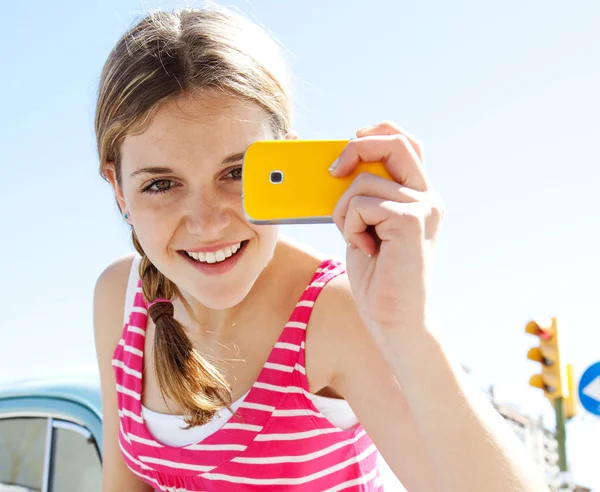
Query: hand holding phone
x=288 y=181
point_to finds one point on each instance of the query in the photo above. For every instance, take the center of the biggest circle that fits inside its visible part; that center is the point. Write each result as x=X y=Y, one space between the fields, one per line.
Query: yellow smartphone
x=288 y=181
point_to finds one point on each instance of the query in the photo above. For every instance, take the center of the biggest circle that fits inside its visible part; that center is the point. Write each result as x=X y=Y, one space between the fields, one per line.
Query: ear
x=111 y=175
x=291 y=135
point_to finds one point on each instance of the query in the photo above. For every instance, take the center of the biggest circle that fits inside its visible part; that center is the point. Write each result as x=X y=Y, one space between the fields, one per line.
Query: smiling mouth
x=215 y=256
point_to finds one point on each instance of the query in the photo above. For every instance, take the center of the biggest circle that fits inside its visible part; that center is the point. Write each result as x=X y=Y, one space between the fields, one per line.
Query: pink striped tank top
x=277 y=440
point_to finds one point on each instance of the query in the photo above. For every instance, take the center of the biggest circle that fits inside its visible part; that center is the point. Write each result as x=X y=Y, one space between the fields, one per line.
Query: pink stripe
x=138 y=320
x=293 y=470
x=309 y=443
x=306 y=446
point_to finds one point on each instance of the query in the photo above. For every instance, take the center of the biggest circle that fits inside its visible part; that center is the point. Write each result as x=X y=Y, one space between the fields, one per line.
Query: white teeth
x=215 y=256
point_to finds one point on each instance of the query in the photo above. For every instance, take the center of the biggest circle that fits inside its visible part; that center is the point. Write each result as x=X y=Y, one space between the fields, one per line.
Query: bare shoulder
x=335 y=304
x=335 y=307
x=334 y=313
x=115 y=274
x=342 y=338
x=109 y=305
x=109 y=296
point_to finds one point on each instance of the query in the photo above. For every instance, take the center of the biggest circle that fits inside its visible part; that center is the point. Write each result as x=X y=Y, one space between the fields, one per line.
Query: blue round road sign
x=589 y=389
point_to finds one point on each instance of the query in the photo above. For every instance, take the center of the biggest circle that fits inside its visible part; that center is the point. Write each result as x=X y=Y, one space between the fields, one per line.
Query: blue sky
x=503 y=95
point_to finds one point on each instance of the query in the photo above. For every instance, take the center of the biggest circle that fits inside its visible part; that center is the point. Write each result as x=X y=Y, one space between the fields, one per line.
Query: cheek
x=154 y=226
x=267 y=235
x=151 y=210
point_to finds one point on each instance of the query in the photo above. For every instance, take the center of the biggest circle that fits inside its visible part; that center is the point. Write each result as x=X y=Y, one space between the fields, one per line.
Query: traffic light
x=571 y=401
x=553 y=378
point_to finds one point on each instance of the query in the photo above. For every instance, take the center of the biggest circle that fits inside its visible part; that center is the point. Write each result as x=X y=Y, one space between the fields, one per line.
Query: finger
x=366 y=184
x=391 y=128
x=394 y=151
x=371 y=221
x=355 y=225
x=292 y=135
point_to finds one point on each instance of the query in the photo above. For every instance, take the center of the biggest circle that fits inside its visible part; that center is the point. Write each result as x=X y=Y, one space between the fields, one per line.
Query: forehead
x=201 y=122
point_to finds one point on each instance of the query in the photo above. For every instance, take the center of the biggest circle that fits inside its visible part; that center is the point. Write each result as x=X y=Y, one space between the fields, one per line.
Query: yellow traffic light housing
x=553 y=376
x=571 y=401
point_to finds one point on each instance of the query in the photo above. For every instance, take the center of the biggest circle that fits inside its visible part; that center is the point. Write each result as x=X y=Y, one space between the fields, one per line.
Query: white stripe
x=296 y=324
x=303 y=412
x=216 y=447
x=358 y=481
x=291 y=436
x=378 y=481
x=257 y=406
x=127 y=391
x=281 y=389
x=287 y=346
x=129 y=348
x=123 y=433
x=316 y=284
x=147 y=442
x=278 y=367
x=138 y=463
x=135 y=329
x=139 y=289
x=247 y=427
x=300 y=458
x=298 y=367
x=176 y=464
x=291 y=481
x=305 y=304
x=302 y=345
x=121 y=342
x=139 y=309
x=126 y=369
x=131 y=415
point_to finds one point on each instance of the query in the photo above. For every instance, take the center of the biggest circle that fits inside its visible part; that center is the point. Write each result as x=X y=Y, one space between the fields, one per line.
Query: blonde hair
x=164 y=56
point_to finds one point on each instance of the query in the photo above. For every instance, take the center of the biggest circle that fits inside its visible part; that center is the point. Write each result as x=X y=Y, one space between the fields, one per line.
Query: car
x=51 y=435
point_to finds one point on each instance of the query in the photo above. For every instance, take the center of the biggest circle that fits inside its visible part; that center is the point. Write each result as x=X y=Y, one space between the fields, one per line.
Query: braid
x=183 y=374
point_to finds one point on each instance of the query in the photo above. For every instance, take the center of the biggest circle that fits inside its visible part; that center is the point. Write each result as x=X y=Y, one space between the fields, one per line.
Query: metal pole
x=561 y=439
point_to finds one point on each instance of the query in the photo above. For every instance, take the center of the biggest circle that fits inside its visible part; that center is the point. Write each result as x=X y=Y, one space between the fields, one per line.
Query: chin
x=217 y=288
x=222 y=292
x=219 y=299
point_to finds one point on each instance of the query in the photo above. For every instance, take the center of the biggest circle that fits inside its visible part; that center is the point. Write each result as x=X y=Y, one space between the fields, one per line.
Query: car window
x=22 y=451
x=77 y=465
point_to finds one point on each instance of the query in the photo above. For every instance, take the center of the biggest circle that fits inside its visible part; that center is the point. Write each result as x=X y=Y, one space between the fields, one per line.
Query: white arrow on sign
x=593 y=389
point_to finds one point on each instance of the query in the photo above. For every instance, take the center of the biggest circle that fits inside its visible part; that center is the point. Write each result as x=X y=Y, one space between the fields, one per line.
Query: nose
x=208 y=214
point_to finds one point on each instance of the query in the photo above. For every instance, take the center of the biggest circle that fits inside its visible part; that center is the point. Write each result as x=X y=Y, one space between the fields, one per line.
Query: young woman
x=249 y=362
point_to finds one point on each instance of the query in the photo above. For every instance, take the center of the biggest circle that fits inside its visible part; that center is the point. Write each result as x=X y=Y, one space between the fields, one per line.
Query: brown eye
x=235 y=174
x=159 y=186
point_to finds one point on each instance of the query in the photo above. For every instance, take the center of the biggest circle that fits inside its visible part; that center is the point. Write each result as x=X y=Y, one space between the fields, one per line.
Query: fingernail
x=334 y=165
x=351 y=246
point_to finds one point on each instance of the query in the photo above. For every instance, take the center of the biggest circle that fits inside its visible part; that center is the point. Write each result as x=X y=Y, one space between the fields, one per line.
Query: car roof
x=82 y=390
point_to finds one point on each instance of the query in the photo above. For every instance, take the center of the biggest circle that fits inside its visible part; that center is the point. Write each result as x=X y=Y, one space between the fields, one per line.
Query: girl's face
x=181 y=186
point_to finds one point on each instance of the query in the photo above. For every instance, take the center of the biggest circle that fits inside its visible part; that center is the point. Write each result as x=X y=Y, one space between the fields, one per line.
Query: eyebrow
x=166 y=170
